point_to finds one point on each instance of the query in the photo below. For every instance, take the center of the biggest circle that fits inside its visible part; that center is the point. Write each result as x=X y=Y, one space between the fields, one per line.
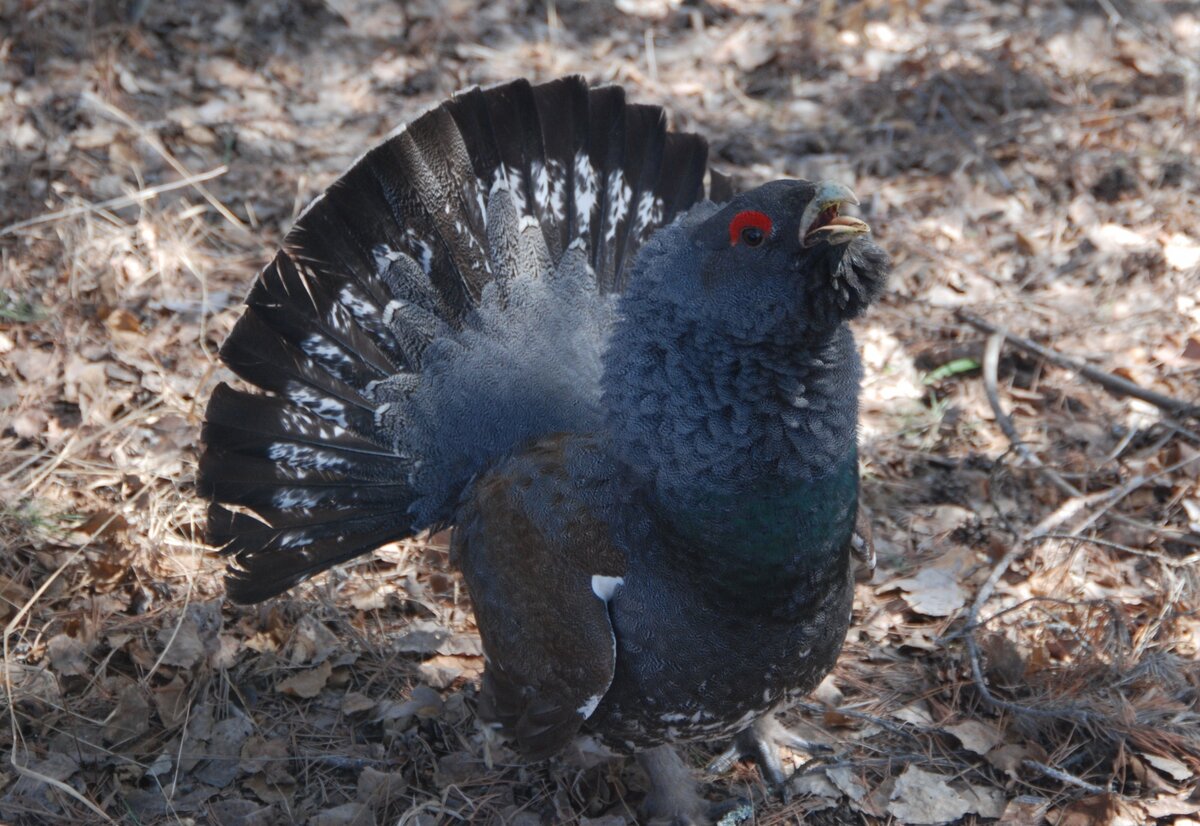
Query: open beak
x=821 y=221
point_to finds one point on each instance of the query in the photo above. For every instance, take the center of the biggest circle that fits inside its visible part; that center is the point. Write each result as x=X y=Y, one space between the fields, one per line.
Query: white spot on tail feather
x=649 y=211
x=358 y=306
x=305 y=456
x=291 y=539
x=321 y=348
x=541 y=185
x=327 y=408
x=295 y=498
x=424 y=247
x=510 y=179
x=586 y=192
x=589 y=708
x=619 y=194
x=558 y=190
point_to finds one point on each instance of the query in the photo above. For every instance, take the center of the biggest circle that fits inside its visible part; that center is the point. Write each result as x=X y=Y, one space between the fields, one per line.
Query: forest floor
x=1026 y=649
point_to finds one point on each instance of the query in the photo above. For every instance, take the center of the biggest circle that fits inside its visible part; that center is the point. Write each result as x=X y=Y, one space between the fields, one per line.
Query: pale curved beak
x=821 y=221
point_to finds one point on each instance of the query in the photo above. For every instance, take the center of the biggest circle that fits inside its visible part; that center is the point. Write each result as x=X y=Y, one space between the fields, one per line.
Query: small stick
x=1063 y=777
x=1182 y=562
x=991 y=358
x=158 y=146
x=115 y=203
x=1118 y=385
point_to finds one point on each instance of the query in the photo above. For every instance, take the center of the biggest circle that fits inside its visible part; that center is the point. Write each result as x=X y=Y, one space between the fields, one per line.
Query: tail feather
x=263 y=357
x=395 y=256
x=269 y=560
x=606 y=116
x=636 y=213
x=562 y=107
x=318 y=316
x=270 y=427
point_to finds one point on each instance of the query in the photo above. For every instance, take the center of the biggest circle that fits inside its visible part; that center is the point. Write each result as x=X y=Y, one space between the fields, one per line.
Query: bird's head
x=779 y=259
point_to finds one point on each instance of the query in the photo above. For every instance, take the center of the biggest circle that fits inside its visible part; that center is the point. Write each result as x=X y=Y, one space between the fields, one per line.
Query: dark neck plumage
x=748 y=447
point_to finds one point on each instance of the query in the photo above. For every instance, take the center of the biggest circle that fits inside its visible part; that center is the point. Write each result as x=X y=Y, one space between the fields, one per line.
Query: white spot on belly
x=605 y=586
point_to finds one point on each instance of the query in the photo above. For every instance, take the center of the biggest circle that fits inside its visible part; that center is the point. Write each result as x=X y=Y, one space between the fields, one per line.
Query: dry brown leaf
x=223 y=751
x=1176 y=804
x=1169 y=766
x=376 y=788
x=171 y=700
x=131 y=717
x=122 y=321
x=459 y=768
x=268 y=757
x=1100 y=810
x=976 y=735
x=828 y=693
x=1008 y=758
x=306 y=684
x=348 y=814
x=921 y=798
x=312 y=642
x=355 y=702
x=1024 y=811
x=846 y=779
x=184 y=645
x=68 y=655
x=367 y=596
x=269 y=792
x=916 y=712
x=422 y=637
x=934 y=592
x=424 y=702
x=441 y=671
x=13 y=594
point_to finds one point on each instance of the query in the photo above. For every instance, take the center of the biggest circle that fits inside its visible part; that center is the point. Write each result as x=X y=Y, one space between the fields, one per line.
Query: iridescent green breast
x=774 y=532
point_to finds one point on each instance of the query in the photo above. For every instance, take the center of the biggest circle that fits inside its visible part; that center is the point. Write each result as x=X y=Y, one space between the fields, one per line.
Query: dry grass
x=1028 y=645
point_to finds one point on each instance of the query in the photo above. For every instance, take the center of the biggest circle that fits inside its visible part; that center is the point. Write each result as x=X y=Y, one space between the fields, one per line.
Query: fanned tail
x=397 y=255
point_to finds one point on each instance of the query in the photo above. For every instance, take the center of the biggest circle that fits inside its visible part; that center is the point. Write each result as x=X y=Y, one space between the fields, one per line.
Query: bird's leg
x=673 y=798
x=760 y=742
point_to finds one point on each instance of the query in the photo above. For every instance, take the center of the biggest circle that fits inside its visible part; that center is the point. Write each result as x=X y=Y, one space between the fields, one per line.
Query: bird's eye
x=749 y=227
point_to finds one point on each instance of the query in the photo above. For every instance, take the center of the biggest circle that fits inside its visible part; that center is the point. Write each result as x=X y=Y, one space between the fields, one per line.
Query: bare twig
x=1118 y=385
x=132 y=199
x=157 y=145
x=1183 y=562
x=1063 y=777
x=991 y=358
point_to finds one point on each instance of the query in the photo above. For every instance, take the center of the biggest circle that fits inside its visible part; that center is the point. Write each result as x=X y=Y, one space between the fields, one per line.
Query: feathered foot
x=674 y=800
x=760 y=742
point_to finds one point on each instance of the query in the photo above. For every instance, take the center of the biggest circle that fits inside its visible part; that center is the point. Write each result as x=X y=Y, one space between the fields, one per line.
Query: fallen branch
x=1118 y=385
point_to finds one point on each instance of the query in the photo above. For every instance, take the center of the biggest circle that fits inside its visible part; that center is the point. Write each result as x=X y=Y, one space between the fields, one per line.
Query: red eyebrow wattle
x=748 y=218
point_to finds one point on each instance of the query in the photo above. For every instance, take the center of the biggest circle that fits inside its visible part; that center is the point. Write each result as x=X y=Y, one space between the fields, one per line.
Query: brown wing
x=529 y=548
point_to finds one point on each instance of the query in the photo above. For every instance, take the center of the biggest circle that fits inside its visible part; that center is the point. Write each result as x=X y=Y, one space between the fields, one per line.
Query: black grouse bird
x=536 y=316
